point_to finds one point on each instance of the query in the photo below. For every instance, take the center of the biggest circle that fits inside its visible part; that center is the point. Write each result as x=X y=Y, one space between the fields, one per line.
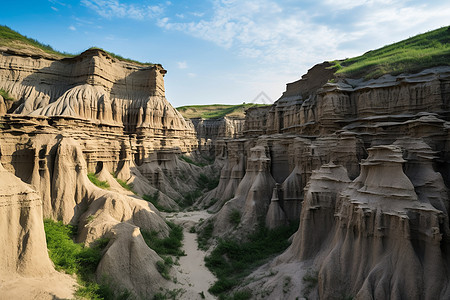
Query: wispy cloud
x=182 y=65
x=116 y=9
x=294 y=35
x=73 y=28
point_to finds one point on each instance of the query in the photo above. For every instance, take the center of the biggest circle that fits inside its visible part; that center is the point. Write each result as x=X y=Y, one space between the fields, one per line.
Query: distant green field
x=411 y=55
x=215 y=111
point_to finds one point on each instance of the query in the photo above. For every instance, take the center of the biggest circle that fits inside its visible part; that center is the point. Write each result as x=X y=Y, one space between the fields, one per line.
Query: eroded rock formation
x=363 y=165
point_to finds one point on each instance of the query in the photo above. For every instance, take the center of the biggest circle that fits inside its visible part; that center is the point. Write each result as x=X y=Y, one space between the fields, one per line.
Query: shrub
x=232 y=260
x=124 y=184
x=190 y=161
x=5 y=94
x=235 y=217
x=74 y=258
x=170 y=245
x=204 y=236
x=208 y=183
x=190 y=198
x=101 y=184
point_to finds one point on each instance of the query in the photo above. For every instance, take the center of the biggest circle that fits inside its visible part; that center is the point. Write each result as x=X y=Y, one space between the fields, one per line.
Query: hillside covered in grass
x=215 y=111
x=408 y=56
x=14 y=40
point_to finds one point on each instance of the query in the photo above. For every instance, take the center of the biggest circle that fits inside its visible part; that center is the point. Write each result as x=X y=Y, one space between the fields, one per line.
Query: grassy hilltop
x=422 y=51
x=215 y=111
x=12 y=39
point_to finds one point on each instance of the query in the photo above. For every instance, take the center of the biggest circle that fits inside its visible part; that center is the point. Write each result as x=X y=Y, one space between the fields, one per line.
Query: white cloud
x=71 y=27
x=182 y=65
x=292 y=36
x=192 y=75
x=54 y=8
x=115 y=9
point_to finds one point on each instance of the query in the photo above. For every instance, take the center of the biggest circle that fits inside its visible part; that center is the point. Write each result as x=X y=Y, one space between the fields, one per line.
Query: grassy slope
x=215 y=111
x=411 y=55
x=13 y=39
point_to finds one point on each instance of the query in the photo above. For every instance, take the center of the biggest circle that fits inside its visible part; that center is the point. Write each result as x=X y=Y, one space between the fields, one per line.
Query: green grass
x=170 y=245
x=408 y=56
x=235 y=217
x=154 y=199
x=190 y=161
x=124 y=184
x=6 y=96
x=204 y=236
x=215 y=111
x=208 y=183
x=76 y=259
x=101 y=184
x=9 y=37
x=13 y=39
x=232 y=260
x=119 y=57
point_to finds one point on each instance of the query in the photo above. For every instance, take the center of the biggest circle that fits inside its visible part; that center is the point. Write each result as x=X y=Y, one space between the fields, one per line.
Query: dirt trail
x=191 y=274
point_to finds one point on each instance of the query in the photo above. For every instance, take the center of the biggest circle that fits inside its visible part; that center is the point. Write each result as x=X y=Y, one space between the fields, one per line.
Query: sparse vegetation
x=13 y=39
x=76 y=259
x=101 y=184
x=124 y=184
x=204 y=236
x=310 y=280
x=9 y=37
x=215 y=111
x=189 y=198
x=235 y=217
x=119 y=57
x=163 y=269
x=231 y=260
x=170 y=245
x=166 y=294
x=154 y=199
x=207 y=183
x=411 y=55
x=190 y=161
x=6 y=96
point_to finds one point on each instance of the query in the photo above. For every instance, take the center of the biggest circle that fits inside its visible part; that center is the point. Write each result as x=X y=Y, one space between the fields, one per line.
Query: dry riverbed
x=191 y=274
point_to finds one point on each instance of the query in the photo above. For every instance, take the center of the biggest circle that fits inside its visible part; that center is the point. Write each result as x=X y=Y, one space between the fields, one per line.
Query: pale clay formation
x=363 y=166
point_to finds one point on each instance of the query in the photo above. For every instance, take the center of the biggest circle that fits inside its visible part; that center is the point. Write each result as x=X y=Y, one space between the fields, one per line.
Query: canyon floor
x=191 y=273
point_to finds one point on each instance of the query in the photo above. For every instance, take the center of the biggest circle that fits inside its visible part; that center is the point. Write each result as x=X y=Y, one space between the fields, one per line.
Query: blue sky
x=225 y=51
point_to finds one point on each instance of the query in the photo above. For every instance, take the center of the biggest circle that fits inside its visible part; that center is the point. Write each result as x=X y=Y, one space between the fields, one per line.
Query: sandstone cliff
x=92 y=113
x=363 y=165
x=25 y=268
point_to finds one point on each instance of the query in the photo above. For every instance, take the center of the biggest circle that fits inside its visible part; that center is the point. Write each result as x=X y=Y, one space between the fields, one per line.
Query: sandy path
x=191 y=274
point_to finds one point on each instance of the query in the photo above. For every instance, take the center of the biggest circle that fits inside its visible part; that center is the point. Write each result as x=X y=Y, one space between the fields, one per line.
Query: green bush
x=154 y=199
x=235 y=217
x=76 y=259
x=124 y=184
x=101 y=184
x=163 y=269
x=190 y=161
x=5 y=94
x=170 y=245
x=232 y=260
x=190 y=198
x=204 y=236
x=208 y=183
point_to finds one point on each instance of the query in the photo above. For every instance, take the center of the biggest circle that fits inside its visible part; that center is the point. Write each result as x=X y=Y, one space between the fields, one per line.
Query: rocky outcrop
x=97 y=87
x=210 y=130
x=25 y=268
x=314 y=109
x=363 y=165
